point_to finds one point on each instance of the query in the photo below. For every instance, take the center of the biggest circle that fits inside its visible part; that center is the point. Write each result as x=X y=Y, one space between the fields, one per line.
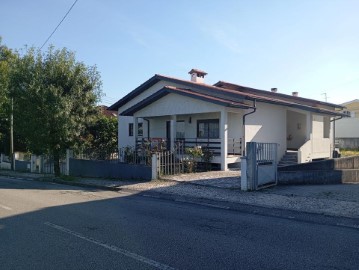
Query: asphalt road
x=51 y=226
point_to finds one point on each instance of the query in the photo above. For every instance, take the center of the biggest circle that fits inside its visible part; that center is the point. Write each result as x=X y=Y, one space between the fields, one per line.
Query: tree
x=101 y=136
x=7 y=57
x=54 y=98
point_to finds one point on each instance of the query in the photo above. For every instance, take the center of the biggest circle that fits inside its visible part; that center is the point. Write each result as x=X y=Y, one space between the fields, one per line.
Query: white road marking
x=5 y=207
x=113 y=248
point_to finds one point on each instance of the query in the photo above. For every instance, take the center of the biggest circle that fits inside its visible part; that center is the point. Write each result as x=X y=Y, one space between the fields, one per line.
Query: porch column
x=224 y=139
x=135 y=130
x=309 y=120
x=173 y=130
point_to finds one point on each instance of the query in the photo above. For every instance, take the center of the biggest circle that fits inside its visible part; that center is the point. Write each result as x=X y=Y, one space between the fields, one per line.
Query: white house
x=347 y=129
x=225 y=116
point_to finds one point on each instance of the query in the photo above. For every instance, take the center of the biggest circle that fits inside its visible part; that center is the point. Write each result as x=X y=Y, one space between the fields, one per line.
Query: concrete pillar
x=223 y=125
x=33 y=163
x=244 y=180
x=173 y=130
x=309 y=120
x=41 y=164
x=135 y=130
x=154 y=167
x=69 y=154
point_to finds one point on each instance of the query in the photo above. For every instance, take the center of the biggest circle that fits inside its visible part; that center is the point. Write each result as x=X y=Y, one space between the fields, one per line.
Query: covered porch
x=309 y=135
x=218 y=132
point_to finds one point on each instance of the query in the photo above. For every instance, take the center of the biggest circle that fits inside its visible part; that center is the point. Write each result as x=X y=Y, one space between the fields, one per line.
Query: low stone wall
x=108 y=169
x=22 y=166
x=318 y=177
x=329 y=164
x=331 y=171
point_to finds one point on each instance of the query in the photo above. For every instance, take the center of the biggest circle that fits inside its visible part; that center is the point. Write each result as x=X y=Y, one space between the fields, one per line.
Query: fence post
x=69 y=154
x=154 y=167
x=41 y=164
x=244 y=180
x=33 y=163
x=251 y=165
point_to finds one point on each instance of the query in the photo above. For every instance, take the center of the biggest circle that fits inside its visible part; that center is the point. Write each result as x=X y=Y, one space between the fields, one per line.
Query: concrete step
x=289 y=158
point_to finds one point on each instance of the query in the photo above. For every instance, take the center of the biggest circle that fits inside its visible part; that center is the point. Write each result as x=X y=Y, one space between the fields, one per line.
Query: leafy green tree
x=54 y=98
x=7 y=57
x=101 y=136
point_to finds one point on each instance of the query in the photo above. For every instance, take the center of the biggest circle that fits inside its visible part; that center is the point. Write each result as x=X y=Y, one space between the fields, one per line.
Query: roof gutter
x=244 y=125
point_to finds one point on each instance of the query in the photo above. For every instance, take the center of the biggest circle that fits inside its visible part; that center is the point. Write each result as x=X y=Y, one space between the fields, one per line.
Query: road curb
x=210 y=202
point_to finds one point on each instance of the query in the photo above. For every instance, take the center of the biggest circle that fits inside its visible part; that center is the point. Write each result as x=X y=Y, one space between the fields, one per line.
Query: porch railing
x=214 y=145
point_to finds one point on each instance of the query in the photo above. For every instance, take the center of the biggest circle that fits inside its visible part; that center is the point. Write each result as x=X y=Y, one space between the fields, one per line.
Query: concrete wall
x=268 y=124
x=332 y=171
x=329 y=164
x=108 y=169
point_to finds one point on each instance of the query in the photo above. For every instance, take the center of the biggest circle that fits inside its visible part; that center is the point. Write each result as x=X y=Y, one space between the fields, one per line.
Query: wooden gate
x=172 y=161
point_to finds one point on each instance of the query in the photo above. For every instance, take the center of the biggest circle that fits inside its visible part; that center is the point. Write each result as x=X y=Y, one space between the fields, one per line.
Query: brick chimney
x=197 y=75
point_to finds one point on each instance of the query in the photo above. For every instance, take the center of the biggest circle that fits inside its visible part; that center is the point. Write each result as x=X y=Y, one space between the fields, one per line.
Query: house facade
x=223 y=117
x=347 y=129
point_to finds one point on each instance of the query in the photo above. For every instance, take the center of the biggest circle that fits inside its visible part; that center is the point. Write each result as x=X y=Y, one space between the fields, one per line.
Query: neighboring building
x=106 y=112
x=225 y=116
x=347 y=129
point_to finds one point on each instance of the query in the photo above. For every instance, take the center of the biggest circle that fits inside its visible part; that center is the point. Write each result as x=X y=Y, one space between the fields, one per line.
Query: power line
x=53 y=32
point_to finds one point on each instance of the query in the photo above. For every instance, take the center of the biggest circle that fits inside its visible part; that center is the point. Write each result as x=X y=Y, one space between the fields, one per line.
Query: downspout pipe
x=148 y=127
x=244 y=125
x=334 y=154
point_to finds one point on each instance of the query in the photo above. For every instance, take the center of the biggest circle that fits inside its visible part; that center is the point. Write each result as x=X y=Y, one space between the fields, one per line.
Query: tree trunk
x=57 y=162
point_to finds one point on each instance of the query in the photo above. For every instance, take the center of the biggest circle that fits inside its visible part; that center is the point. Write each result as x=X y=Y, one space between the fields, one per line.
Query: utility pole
x=12 y=136
x=325 y=97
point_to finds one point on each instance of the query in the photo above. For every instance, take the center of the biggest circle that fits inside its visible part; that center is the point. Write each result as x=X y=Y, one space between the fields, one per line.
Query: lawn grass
x=349 y=152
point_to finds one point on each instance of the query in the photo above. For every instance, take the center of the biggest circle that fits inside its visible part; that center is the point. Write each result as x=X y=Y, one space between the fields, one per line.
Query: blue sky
x=307 y=46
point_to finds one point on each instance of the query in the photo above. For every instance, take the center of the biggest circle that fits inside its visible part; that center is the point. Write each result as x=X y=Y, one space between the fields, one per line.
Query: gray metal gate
x=262 y=164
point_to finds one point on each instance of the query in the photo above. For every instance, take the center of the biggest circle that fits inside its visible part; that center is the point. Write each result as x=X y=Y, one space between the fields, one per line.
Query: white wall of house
x=235 y=125
x=296 y=129
x=123 y=137
x=318 y=126
x=149 y=91
x=268 y=125
x=174 y=104
x=123 y=131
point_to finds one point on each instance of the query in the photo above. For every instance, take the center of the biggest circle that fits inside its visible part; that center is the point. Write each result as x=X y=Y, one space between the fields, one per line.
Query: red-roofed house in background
x=106 y=112
x=225 y=116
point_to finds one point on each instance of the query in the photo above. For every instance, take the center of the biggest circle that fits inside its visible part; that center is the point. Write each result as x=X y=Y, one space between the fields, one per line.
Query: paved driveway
x=224 y=179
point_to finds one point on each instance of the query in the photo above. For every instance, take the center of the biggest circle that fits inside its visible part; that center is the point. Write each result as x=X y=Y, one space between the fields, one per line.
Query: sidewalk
x=332 y=200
